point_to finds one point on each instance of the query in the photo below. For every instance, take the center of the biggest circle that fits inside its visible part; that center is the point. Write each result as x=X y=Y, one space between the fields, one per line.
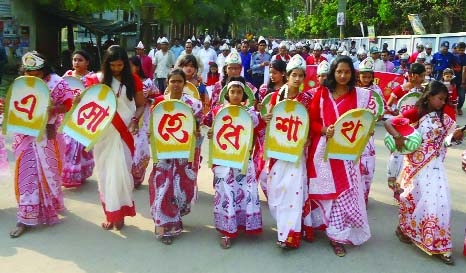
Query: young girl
x=450 y=107
x=78 y=164
x=277 y=80
x=424 y=207
x=213 y=75
x=429 y=77
x=236 y=201
x=367 y=161
x=416 y=77
x=287 y=182
x=172 y=182
x=141 y=156
x=188 y=63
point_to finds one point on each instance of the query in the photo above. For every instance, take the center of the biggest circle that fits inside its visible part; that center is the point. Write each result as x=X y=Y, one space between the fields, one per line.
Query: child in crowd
x=236 y=201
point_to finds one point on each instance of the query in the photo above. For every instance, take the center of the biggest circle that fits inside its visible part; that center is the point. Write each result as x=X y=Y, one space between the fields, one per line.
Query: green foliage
x=279 y=17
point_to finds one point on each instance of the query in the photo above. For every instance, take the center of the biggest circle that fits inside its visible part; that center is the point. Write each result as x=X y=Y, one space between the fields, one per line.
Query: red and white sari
x=113 y=155
x=287 y=189
x=39 y=165
x=424 y=210
x=236 y=202
x=335 y=186
x=173 y=184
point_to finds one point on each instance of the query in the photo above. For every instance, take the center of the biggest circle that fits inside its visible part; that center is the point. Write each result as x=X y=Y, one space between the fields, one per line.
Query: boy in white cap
x=146 y=61
x=225 y=50
x=163 y=62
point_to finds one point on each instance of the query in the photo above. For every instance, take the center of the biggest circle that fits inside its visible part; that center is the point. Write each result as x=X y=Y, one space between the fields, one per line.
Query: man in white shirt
x=163 y=62
x=379 y=65
x=225 y=50
x=207 y=56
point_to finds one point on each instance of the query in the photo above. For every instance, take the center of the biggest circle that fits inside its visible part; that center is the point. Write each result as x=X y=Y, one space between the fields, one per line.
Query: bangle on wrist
x=135 y=119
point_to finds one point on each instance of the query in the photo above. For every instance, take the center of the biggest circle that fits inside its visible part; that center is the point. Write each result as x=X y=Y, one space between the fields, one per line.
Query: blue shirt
x=176 y=50
x=440 y=61
x=246 y=63
x=256 y=59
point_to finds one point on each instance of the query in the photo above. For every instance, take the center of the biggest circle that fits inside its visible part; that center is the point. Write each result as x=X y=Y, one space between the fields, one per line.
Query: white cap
x=361 y=51
x=207 y=39
x=323 y=68
x=193 y=38
x=189 y=41
x=296 y=62
x=158 y=40
x=340 y=49
x=140 y=45
x=164 y=40
x=317 y=46
x=367 y=65
x=284 y=44
x=224 y=47
x=333 y=47
x=261 y=38
x=233 y=58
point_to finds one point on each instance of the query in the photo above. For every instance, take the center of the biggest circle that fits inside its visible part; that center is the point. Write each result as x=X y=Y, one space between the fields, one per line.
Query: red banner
x=310 y=81
x=387 y=81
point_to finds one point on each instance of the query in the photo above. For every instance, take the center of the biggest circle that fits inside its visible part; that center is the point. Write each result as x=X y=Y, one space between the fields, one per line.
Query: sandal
x=19 y=230
x=167 y=239
x=107 y=225
x=338 y=248
x=402 y=237
x=446 y=258
x=225 y=242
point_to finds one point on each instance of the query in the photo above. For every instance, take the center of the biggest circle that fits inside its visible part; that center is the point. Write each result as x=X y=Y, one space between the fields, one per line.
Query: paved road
x=78 y=244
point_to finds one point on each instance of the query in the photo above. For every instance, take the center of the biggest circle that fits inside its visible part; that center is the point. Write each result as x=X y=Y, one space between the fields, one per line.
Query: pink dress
x=38 y=167
x=78 y=164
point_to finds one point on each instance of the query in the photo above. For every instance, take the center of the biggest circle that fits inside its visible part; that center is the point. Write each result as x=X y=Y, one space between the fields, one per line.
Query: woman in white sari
x=113 y=153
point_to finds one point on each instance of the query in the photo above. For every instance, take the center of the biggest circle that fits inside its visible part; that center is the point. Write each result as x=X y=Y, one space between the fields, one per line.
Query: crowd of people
x=315 y=195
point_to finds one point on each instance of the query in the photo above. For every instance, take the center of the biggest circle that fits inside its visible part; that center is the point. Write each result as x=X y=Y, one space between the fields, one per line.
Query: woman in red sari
x=335 y=185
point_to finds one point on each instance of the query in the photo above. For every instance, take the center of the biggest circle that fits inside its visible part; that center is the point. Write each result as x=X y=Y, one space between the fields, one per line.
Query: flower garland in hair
x=283 y=92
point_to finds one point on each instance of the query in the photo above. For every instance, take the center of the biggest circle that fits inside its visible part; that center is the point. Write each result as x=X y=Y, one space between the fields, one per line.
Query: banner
x=249 y=102
x=75 y=84
x=352 y=132
x=371 y=33
x=311 y=81
x=232 y=135
x=387 y=81
x=172 y=130
x=88 y=119
x=26 y=107
x=416 y=24
x=287 y=132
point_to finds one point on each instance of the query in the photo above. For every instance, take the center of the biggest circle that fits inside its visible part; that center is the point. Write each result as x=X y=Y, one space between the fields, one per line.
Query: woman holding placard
x=335 y=184
x=113 y=153
x=287 y=181
x=78 y=164
x=172 y=182
x=424 y=206
x=37 y=175
x=236 y=201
